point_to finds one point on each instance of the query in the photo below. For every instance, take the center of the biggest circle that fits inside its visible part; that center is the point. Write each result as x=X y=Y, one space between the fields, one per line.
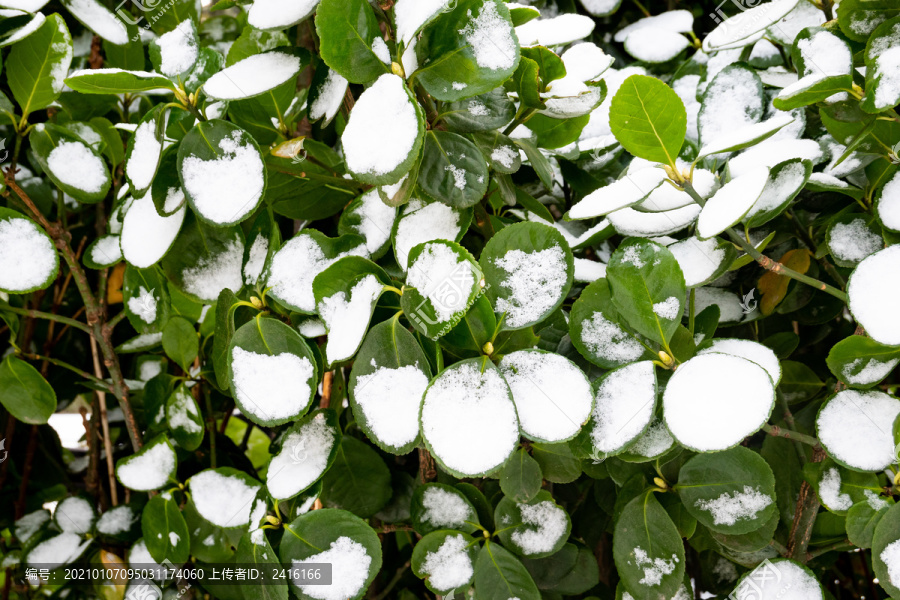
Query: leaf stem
x=776 y=267
x=777 y=431
x=65 y=365
x=36 y=314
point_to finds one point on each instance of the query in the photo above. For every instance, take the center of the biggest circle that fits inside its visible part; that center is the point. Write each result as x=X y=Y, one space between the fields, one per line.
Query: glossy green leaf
x=26 y=394
x=37 y=65
x=648 y=119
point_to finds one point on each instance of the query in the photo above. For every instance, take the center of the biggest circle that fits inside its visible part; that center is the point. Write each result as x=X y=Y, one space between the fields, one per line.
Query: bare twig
x=104 y=423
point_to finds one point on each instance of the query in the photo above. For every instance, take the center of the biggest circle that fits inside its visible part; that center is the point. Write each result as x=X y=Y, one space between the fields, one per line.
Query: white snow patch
x=713 y=401
x=535 y=281
x=449 y=566
x=855 y=428
x=271 y=387
x=226 y=189
x=149 y=470
x=728 y=509
x=465 y=404
x=347 y=319
x=302 y=460
x=27 y=256
x=548 y=524
x=873 y=290
x=390 y=400
x=252 y=76
x=552 y=396
x=623 y=406
x=146 y=236
x=382 y=129
x=350 y=568
x=75 y=165
x=223 y=500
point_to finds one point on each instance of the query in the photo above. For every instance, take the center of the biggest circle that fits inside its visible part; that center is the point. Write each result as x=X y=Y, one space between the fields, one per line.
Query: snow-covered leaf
x=445 y=560
x=872 y=295
x=856 y=429
x=28 y=259
x=468 y=50
x=442 y=282
x=528 y=269
x=150 y=468
x=348 y=30
x=731 y=203
x=534 y=529
x=346 y=294
x=730 y=492
x=747 y=25
x=384 y=132
x=72 y=165
x=715 y=400
x=882 y=60
x=255 y=75
x=387 y=385
x=647 y=288
x=272 y=372
x=470 y=399
x=307 y=450
x=37 y=65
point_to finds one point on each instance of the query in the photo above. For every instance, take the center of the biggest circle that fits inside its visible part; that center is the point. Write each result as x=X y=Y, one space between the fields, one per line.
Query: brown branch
x=96 y=314
x=326 y=389
x=26 y=472
x=427 y=471
x=804 y=517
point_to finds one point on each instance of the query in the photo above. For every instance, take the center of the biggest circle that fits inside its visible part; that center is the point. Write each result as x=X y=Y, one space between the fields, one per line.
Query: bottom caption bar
x=206 y=574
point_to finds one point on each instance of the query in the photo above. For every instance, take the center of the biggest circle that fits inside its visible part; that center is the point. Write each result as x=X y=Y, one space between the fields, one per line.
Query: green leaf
x=649 y=119
x=146 y=299
x=475 y=329
x=26 y=394
x=117 y=81
x=501 y=153
x=528 y=268
x=862 y=519
x=191 y=263
x=882 y=80
x=347 y=30
x=433 y=554
x=183 y=418
x=215 y=156
x=254 y=549
x=56 y=149
x=443 y=282
x=535 y=529
x=316 y=532
x=887 y=532
x=499 y=574
x=648 y=550
x=389 y=357
x=165 y=532
x=798 y=382
x=37 y=65
x=521 y=477
x=550 y=66
x=265 y=350
x=308 y=449
x=484 y=112
x=557 y=462
x=180 y=342
x=526 y=82
x=453 y=170
x=859 y=18
x=647 y=288
x=861 y=362
x=730 y=492
x=556 y=133
x=571 y=571
x=358 y=481
x=467 y=51
x=816 y=85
